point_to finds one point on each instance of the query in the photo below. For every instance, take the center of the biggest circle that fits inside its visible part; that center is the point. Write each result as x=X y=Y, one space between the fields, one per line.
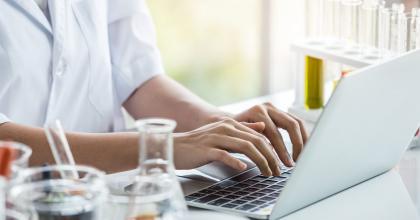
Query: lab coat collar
x=32 y=9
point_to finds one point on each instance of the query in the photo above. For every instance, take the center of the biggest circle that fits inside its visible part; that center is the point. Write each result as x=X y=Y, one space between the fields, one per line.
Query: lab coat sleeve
x=3 y=119
x=134 y=53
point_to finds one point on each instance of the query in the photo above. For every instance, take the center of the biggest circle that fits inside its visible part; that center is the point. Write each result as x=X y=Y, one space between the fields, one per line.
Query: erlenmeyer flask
x=156 y=192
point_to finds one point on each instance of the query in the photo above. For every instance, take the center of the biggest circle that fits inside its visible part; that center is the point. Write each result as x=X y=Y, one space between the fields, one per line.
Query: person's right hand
x=213 y=142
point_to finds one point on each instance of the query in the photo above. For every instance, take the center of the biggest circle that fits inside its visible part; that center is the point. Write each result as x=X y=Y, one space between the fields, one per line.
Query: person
x=82 y=61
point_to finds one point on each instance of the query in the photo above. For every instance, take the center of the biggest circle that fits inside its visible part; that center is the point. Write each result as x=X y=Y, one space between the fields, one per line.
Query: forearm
x=109 y=152
x=163 y=97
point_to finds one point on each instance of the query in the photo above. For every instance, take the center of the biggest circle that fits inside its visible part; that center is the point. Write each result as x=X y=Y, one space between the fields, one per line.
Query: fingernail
x=242 y=166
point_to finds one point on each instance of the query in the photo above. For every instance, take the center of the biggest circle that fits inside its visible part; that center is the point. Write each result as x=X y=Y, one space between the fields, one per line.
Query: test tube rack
x=320 y=49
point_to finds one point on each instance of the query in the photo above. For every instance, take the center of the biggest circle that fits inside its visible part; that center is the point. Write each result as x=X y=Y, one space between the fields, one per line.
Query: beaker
x=21 y=154
x=156 y=192
x=368 y=32
x=42 y=193
x=350 y=24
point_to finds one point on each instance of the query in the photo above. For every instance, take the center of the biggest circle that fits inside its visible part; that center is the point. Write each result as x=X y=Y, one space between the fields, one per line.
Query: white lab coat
x=80 y=68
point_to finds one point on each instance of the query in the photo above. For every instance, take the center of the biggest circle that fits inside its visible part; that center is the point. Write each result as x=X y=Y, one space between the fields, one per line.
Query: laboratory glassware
x=414 y=30
x=156 y=191
x=384 y=31
x=368 y=32
x=314 y=22
x=349 y=32
x=42 y=193
x=314 y=83
x=398 y=31
x=21 y=154
x=60 y=147
x=331 y=23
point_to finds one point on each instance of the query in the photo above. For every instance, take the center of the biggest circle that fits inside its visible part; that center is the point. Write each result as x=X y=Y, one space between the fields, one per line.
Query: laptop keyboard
x=247 y=192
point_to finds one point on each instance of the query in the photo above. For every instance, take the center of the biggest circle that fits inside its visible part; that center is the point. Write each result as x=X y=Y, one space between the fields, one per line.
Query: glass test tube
x=350 y=24
x=314 y=22
x=414 y=30
x=332 y=23
x=398 y=32
x=384 y=28
x=368 y=32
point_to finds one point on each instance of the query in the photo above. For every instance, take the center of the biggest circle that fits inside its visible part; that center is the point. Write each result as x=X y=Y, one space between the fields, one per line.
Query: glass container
x=314 y=10
x=156 y=193
x=368 y=32
x=384 y=31
x=350 y=12
x=398 y=31
x=21 y=154
x=42 y=193
x=331 y=23
x=414 y=30
x=314 y=83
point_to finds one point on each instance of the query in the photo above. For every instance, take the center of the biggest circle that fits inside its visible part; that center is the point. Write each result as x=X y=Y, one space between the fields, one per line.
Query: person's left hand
x=273 y=119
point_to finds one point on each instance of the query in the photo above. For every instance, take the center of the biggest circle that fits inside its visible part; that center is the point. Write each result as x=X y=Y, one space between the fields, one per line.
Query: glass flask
x=368 y=32
x=43 y=194
x=156 y=193
x=349 y=32
x=398 y=31
x=20 y=153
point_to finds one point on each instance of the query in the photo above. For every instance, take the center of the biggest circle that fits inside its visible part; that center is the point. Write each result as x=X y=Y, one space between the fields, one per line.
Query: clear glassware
x=42 y=193
x=21 y=156
x=384 y=31
x=314 y=22
x=414 y=30
x=368 y=32
x=331 y=23
x=156 y=192
x=398 y=30
x=349 y=32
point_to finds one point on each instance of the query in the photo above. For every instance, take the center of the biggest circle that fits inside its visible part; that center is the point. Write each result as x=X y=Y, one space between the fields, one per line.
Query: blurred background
x=230 y=50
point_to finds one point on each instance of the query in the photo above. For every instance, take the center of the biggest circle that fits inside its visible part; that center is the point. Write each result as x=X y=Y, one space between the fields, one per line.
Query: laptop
x=363 y=132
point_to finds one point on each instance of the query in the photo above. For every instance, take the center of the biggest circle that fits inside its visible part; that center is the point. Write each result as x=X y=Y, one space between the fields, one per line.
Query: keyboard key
x=189 y=198
x=197 y=195
x=248 y=198
x=222 y=192
x=207 y=199
x=269 y=182
x=219 y=202
x=278 y=178
x=250 y=189
x=246 y=207
x=257 y=202
x=241 y=193
x=258 y=194
x=229 y=206
x=231 y=196
x=206 y=191
x=260 y=178
x=232 y=189
x=275 y=194
x=239 y=202
x=215 y=187
x=266 y=190
x=268 y=198
x=226 y=184
x=260 y=185
x=251 y=182
x=275 y=187
x=241 y=185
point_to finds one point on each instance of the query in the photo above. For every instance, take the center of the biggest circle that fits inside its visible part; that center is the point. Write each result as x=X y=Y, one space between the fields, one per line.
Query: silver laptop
x=363 y=132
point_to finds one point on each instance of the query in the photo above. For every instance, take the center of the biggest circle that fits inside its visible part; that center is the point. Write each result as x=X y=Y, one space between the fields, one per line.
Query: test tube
x=368 y=32
x=398 y=31
x=314 y=22
x=332 y=23
x=414 y=30
x=350 y=24
x=384 y=28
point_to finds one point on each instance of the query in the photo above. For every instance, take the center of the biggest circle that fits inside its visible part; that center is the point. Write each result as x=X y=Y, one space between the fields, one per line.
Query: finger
x=226 y=158
x=276 y=139
x=234 y=144
x=288 y=123
x=263 y=146
x=257 y=126
x=303 y=131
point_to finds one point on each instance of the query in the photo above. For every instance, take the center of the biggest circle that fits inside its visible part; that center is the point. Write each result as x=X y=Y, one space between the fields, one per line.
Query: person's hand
x=214 y=141
x=274 y=119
